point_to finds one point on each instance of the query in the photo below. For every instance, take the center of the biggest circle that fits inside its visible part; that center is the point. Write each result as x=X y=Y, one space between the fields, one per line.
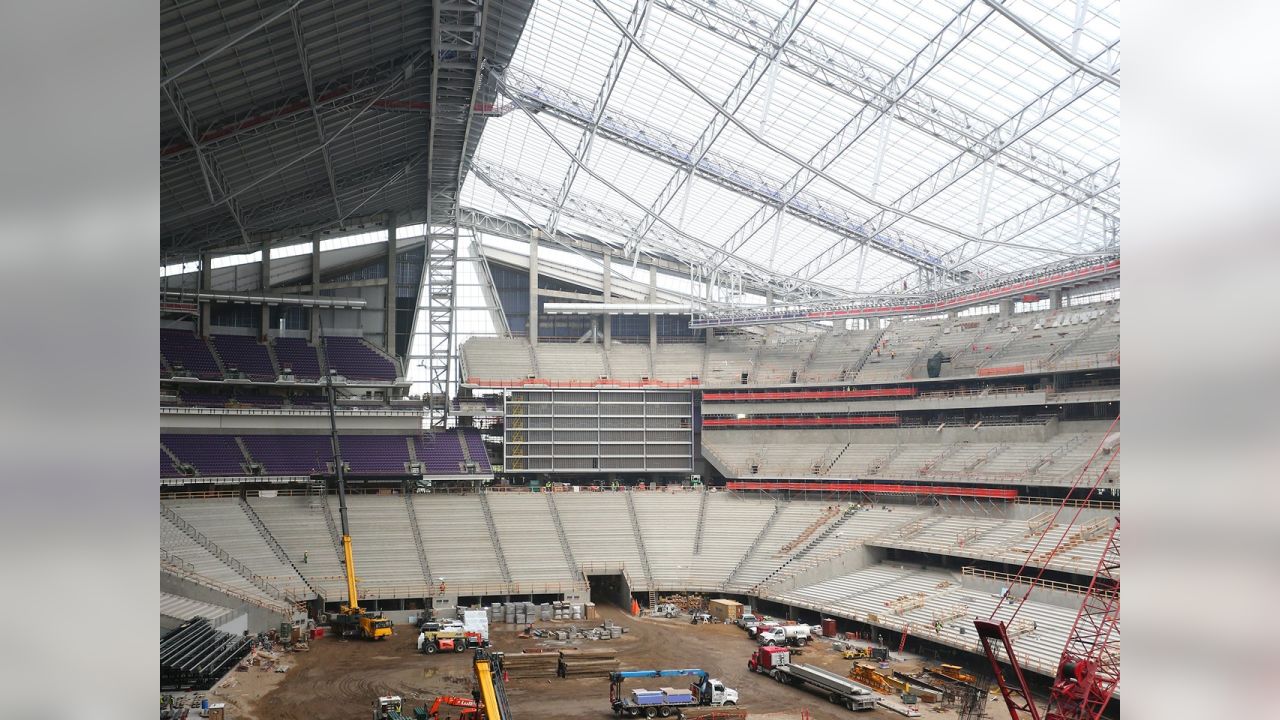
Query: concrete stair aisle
x=604 y=358
x=172 y=458
x=493 y=535
x=275 y=361
x=755 y=544
x=213 y=350
x=644 y=554
x=533 y=360
x=564 y=539
x=417 y=538
x=334 y=533
x=272 y=542
x=248 y=458
x=413 y=450
x=213 y=549
x=851 y=371
x=702 y=522
x=462 y=442
x=875 y=466
x=805 y=549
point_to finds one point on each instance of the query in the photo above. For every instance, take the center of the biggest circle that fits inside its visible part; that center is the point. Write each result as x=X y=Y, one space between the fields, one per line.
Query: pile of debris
x=686 y=603
x=532 y=663
x=577 y=662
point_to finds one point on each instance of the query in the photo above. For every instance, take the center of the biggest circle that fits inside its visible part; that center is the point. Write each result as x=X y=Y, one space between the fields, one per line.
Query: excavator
x=470 y=708
x=351 y=620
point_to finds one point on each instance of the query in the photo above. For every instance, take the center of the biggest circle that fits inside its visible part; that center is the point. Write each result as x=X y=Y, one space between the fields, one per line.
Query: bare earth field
x=339 y=679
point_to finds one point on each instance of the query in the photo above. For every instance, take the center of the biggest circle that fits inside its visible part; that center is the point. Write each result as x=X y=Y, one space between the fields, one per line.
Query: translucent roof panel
x=939 y=135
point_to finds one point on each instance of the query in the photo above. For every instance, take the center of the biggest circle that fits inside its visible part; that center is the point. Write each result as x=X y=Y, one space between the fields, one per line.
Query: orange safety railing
x=540 y=382
x=801 y=421
x=999 y=493
x=810 y=394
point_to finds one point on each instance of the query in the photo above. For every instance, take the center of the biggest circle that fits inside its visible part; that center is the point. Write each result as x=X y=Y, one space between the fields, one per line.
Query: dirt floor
x=340 y=679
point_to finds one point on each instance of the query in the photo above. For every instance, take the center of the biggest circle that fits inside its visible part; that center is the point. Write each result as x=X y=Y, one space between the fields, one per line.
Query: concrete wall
x=255 y=619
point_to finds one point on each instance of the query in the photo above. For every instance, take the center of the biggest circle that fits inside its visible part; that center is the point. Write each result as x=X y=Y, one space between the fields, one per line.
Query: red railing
x=952 y=491
x=802 y=421
x=1002 y=370
x=606 y=384
x=810 y=394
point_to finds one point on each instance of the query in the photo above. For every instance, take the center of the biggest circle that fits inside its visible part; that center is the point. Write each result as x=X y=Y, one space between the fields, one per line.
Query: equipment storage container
x=675 y=695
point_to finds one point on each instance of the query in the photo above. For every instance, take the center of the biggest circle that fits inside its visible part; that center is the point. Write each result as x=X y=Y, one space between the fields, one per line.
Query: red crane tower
x=1089 y=668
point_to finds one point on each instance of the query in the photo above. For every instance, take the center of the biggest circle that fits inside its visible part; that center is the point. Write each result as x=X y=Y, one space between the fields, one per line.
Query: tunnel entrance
x=610 y=590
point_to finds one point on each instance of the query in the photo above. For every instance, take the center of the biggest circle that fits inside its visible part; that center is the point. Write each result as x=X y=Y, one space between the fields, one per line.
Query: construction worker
x=304 y=557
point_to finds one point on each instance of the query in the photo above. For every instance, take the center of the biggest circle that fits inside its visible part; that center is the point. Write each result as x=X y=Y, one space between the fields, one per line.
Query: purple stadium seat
x=356 y=359
x=244 y=354
x=210 y=455
x=180 y=347
x=300 y=355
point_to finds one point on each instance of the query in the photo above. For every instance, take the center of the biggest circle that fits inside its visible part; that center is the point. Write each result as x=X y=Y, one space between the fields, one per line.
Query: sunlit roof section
x=821 y=146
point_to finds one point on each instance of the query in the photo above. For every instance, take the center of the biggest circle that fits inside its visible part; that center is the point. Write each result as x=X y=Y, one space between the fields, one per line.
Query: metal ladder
x=493 y=537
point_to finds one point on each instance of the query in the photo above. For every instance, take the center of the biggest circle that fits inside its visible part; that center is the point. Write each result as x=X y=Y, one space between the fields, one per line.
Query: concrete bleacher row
x=1070 y=338
x=748 y=545
x=775 y=550
x=212 y=455
x=215 y=358
x=945 y=612
x=993 y=455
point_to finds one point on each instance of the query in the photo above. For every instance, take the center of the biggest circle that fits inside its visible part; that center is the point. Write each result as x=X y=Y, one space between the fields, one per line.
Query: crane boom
x=1089 y=668
x=353 y=595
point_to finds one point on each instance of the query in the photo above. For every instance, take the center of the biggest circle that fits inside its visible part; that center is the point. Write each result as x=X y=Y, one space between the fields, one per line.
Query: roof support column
x=1055 y=298
x=606 y=259
x=534 y=236
x=206 y=285
x=389 y=307
x=264 y=283
x=315 y=287
x=653 y=317
x=1006 y=308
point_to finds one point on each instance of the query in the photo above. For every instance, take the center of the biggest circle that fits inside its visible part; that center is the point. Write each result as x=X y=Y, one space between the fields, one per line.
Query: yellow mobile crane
x=351 y=620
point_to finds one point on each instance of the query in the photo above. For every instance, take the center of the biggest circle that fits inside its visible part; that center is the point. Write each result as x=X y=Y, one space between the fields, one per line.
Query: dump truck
x=667 y=701
x=796 y=635
x=776 y=663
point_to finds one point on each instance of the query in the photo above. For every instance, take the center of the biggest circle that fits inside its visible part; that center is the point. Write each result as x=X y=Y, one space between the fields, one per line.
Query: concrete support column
x=315 y=286
x=607 y=285
x=264 y=282
x=953 y=314
x=533 y=286
x=1055 y=299
x=206 y=285
x=389 y=319
x=653 y=318
x=1006 y=308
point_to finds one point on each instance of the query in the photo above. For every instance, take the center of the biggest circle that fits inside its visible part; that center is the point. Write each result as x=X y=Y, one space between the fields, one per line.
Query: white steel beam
x=783 y=152
x=1046 y=105
x=296 y=23
x=742 y=89
x=926 y=59
x=856 y=77
x=639 y=12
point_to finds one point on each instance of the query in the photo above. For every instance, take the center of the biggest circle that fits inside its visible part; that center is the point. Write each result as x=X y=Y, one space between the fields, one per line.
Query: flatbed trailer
x=776 y=663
